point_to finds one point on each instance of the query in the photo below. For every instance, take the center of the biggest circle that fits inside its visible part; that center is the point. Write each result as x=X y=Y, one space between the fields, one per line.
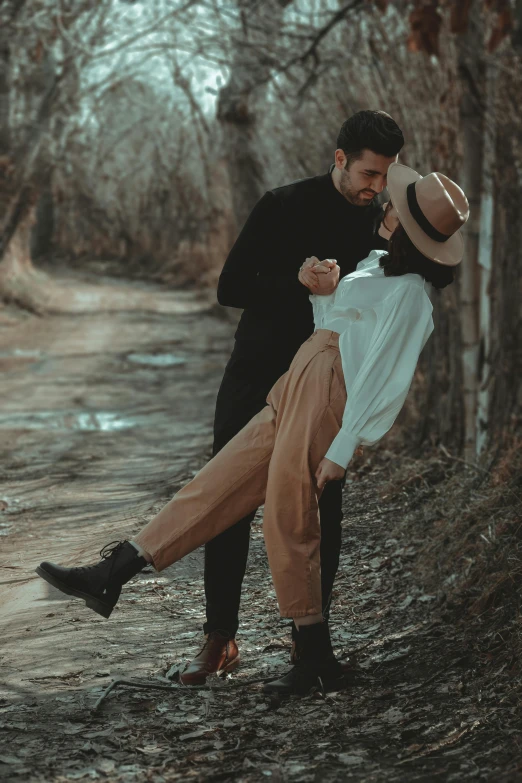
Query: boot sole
x=230 y=667
x=330 y=686
x=287 y=694
x=105 y=610
x=334 y=686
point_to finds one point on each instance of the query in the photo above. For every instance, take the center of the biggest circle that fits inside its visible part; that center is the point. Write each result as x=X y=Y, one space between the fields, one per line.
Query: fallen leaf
x=10 y=760
x=350 y=760
x=195 y=734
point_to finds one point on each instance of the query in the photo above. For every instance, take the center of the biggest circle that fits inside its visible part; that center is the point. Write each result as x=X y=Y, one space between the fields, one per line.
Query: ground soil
x=104 y=415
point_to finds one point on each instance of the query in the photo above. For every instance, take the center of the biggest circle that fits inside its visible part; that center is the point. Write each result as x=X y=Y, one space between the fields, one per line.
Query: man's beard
x=350 y=194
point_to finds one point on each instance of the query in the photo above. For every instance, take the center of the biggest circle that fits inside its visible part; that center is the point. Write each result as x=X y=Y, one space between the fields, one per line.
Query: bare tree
x=47 y=53
x=486 y=256
x=250 y=69
x=471 y=74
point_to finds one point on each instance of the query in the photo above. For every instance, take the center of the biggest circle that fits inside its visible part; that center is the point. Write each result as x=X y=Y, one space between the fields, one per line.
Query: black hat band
x=421 y=218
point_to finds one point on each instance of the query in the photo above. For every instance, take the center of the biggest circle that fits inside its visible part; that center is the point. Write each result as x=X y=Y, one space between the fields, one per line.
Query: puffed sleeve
x=376 y=394
x=321 y=305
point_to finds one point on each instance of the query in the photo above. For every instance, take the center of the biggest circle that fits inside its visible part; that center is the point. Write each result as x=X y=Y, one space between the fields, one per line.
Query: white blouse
x=383 y=323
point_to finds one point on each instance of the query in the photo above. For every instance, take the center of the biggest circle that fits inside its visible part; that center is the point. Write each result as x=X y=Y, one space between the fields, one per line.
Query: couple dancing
x=294 y=405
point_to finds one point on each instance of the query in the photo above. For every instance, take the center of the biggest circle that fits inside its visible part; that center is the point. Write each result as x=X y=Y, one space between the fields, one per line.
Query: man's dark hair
x=369 y=130
x=403 y=257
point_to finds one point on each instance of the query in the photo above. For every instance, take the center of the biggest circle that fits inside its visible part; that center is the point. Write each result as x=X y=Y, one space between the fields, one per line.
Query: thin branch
x=324 y=31
x=128 y=41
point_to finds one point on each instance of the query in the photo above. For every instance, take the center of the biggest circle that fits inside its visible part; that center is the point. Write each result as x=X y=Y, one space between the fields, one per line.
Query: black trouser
x=247 y=380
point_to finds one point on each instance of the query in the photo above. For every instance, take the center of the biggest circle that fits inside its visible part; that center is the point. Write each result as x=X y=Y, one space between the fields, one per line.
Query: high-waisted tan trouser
x=272 y=461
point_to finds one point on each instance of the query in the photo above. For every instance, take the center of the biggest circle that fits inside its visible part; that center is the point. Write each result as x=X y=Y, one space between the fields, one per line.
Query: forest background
x=138 y=136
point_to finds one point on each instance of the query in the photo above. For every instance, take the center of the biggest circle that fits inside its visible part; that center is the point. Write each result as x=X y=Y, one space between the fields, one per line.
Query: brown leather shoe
x=219 y=655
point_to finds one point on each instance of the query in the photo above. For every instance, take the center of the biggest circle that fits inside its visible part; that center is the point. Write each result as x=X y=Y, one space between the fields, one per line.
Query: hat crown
x=432 y=211
x=442 y=202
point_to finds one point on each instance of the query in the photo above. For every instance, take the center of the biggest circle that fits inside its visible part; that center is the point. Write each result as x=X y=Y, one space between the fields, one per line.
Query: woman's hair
x=403 y=257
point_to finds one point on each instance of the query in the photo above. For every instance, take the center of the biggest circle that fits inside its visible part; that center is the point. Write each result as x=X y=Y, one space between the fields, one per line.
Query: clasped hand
x=320 y=277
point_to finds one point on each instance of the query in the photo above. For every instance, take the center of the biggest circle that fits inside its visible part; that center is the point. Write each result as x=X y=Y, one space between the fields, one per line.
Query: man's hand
x=328 y=471
x=320 y=277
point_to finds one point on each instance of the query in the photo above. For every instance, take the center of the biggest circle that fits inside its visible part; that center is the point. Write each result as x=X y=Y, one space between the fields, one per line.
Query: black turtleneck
x=288 y=224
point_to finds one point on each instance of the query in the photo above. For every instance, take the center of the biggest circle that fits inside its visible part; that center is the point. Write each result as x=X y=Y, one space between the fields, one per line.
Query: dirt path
x=103 y=416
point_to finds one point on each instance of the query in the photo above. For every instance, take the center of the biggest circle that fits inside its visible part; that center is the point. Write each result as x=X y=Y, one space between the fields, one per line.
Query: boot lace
x=108 y=551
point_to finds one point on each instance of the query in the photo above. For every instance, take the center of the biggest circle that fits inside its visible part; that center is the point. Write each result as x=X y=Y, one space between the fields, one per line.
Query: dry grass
x=471 y=520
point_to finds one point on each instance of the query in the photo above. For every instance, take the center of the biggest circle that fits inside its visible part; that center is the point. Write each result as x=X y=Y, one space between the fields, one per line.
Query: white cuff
x=342 y=448
x=322 y=299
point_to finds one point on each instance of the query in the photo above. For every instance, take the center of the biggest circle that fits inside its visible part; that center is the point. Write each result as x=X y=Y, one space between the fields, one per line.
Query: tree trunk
x=15 y=208
x=505 y=380
x=43 y=229
x=4 y=96
x=21 y=179
x=471 y=131
x=42 y=233
x=485 y=258
x=249 y=73
x=18 y=277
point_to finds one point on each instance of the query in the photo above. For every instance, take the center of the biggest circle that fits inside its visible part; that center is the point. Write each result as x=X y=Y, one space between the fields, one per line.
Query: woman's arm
x=377 y=393
x=322 y=279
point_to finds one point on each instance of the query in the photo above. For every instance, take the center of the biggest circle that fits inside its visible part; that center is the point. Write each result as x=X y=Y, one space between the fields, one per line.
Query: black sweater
x=288 y=224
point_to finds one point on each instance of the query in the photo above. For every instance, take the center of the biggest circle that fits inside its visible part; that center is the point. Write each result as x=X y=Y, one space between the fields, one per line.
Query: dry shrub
x=195 y=264
x=468 y=522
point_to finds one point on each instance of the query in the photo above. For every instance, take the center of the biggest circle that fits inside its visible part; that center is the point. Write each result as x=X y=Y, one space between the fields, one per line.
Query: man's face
x=365 y=178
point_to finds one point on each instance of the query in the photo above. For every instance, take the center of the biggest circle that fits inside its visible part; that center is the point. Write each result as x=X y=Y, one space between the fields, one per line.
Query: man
x=334 y=215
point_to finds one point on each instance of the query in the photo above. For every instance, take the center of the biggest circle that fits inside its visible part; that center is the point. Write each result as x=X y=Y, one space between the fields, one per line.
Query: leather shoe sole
x=201 y=677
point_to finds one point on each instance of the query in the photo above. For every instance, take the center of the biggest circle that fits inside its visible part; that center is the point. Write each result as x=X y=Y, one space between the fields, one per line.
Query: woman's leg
x=309 y=418
x=223 y=492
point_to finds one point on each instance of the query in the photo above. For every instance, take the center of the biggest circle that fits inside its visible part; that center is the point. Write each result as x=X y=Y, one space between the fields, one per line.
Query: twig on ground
x=133 y=684
x=451 y=739
x=173 y=687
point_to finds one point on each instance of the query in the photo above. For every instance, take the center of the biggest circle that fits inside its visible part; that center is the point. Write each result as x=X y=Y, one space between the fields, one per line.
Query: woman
x=345 y=387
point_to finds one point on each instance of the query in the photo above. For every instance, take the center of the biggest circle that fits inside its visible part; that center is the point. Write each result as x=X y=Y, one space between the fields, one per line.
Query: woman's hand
x=320 y=277
x=308 y=276
x=328 y=471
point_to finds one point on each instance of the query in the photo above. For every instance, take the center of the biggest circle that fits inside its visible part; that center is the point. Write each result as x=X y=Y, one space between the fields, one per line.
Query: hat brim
x=448 y=253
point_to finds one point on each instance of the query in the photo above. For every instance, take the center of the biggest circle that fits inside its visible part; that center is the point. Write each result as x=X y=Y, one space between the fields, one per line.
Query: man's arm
x=240 y=284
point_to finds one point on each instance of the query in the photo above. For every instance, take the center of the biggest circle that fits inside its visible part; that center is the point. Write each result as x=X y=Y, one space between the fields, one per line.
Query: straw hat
x=431 y=209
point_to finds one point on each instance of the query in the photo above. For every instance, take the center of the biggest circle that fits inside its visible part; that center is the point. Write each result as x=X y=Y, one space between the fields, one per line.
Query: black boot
x=99 y=585
x=293 y=650
x=316 y=667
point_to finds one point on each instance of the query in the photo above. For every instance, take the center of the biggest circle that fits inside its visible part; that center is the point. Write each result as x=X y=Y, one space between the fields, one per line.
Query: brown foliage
x=459 y=16
x=425 y=23
x=502 y=25
x=38 y=52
